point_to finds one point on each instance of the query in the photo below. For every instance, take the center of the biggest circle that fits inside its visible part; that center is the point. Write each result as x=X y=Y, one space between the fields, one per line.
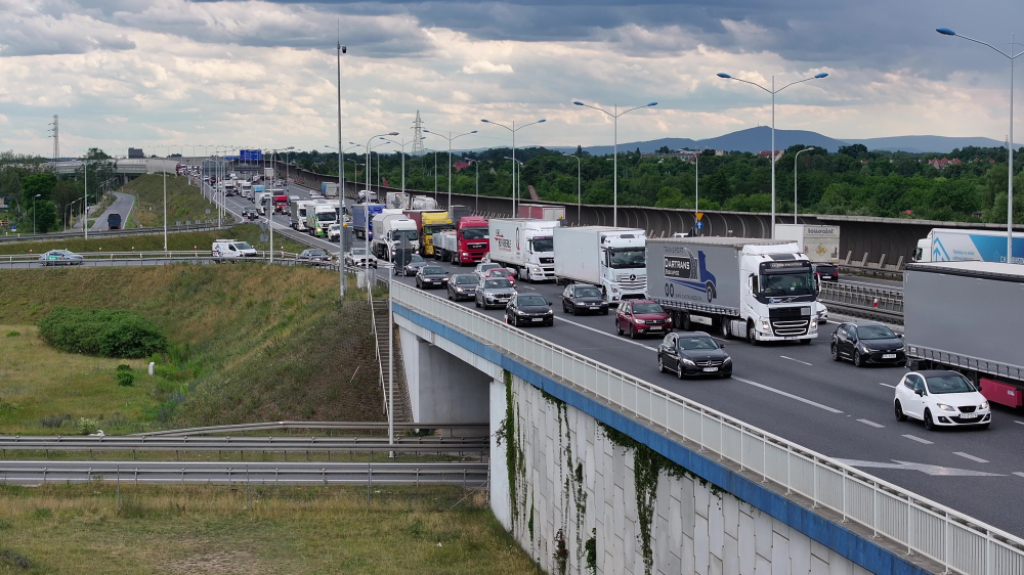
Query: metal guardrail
x=881 y=303
x=111 y=233
x=344 y=425
x=234 y=473
x=263 y=444
x=922 y=526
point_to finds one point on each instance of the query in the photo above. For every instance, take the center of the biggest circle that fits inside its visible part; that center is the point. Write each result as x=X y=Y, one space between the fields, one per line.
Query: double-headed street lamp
x=795 y=158
x=615 y=178
x=513 y=129
x=773 y=91
x=366 y=233
x=402 y=145
x=1009 y=180
x=373 y=147
x=449 y=137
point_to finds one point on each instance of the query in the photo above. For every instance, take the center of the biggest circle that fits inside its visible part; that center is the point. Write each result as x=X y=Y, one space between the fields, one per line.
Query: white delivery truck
x=268 y=173
x=388 y=231
x=819 y=243
x=610 y=258
x=763 y=290
x=329 y=189
x=524 y=245
x=299 y=213
x=397 y=200
x=422 y=203
x=262 y=201
x=244 y=189
x=955 y=245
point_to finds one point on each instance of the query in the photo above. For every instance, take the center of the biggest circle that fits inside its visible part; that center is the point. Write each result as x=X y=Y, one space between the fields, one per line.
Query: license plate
x=595 y=307
x=969 y=415
x=888 y=356
x=537 y=319
x=655 y=328
x=710 y=369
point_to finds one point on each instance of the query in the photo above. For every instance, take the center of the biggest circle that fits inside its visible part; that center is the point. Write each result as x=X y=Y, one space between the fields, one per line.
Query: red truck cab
x=473 y=239
x=280 y=203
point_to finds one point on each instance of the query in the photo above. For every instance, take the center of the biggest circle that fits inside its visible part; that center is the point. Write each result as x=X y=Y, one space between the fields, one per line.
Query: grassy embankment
x=248 y=343
x=78 y=529
x=184 y=202
x=200 y=241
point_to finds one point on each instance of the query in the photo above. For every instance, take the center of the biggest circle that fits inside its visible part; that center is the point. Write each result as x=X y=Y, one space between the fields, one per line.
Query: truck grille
x=479 y=246
x=631 y=281
x=790 y=320
x=547 y=260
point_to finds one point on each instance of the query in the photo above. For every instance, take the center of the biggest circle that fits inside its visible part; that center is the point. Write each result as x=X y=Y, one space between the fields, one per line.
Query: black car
x=249 y=213
x=431 y=276
x=580 y=298
x=826 y=272
x=462 y=286
x=314 y=256
x=693 y=353
x=413 y=266
x=865 y=342
x=529 y=309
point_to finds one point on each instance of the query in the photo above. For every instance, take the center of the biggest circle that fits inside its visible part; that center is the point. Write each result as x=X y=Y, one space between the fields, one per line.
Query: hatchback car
x=61 y=258
x=416 y=262
x=334 y=233
x=529 y=309
x=462 y=286
x=641 y=317
x=482 y=268
x=580 y=298
x=431 y=277
x=502 y=273
x=493 y=292
x=826 y=272
x=941 y=399
x=868 y=342
x=693 y=353
x=314 y=256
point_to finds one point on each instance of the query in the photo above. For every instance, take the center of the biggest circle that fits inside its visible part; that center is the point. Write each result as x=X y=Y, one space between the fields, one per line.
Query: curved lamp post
x=449 y=137
x=795 y=158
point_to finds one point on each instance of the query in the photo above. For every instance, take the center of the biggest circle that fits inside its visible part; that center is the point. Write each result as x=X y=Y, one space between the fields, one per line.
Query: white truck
x=422 y=203
x=763 y=290
x=299 y=214
x=329 y=189
x=262 y=201
x=389 y=229
x=955 y=245
x=268 y=173
x=612 y=259
x=819 y=243
x=524 y=245
x=244 y=189
x=397 y=200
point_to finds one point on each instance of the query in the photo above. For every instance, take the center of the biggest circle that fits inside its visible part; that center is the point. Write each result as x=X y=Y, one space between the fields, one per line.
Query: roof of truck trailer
x=723 y=241
x=603 y=229
x=1012 y=272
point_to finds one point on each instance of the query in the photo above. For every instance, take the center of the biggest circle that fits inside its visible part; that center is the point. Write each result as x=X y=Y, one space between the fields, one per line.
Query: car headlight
x=727 y=360
x=688 y=362
x=444 y=279
x=984 y=405
x=945 y=407
x=550 y=312
x=458 y=289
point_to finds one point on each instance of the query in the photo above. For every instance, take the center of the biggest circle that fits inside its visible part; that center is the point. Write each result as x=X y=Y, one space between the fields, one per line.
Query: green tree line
x=39 y=199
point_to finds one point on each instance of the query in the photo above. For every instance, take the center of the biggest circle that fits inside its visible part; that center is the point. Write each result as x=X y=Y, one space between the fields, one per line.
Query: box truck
x=457 y=212
x=466 y=244
x=268 y=173
x=299 y=215
x=610 y=258
x=763 y=290
x=541 y=212
x=397 y=200
x=524 y=245
x=319 y=216
x=819 y=243
x=953 y=245
x=422 y=203
x=329 y=189
x=389 y=231
x=432 y=222
x=967 y=317
x=362 y=224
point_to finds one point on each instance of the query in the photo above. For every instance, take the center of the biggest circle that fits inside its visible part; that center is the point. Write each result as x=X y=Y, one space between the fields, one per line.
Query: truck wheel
x=752 y=334
x=687 y=324
x=723 y=327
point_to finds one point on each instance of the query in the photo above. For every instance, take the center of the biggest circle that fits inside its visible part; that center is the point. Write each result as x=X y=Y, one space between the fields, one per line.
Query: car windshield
x=359 y=251
x=496 y=284
x=787 y=284
x=465 y=280
x=475 y=233
x=875 y=332
x=621 y=259
x=694 y=343
x=326 y=216
x=411 y=235
x=542 y=245
x=499 y=272
x=532 y=300
x=826 y=269
x=485 y=267
x=416 y=259
x=647 y=308
x=951 y=383
x=588 y=292
x=244 y=246
x=334 y=227
x=316 y=252
x=433 y=270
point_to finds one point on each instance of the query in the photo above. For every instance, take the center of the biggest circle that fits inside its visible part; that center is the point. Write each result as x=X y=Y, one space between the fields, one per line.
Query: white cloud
x=485 y=67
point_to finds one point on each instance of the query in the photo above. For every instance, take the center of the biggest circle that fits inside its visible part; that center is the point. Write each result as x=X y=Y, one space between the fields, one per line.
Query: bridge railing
x=880 y=302
x=922 y=526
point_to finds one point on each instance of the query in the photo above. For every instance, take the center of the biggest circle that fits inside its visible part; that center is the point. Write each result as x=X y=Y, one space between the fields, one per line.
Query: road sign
x=700 y=225
x=700 y=216
x=207 y=211
x=264 y=237
x=263 y=226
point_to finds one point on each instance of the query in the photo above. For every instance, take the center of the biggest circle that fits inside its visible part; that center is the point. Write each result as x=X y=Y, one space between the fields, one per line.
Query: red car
x=503 y=273
x=642 y=317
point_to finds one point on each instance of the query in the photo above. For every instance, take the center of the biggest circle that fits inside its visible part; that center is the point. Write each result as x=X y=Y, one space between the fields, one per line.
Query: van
x=223 y=250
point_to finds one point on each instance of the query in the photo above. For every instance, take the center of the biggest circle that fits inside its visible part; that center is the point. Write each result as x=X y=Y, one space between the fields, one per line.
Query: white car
x=941 y=398
x=334 y=233
x=232 y=249
x=821 y=311
x=357 y=257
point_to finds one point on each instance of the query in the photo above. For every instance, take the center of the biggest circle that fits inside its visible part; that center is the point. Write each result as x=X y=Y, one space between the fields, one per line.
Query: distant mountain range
x=755 y=140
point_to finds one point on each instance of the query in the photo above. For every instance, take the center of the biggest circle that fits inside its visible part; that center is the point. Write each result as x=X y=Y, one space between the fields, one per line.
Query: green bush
x=106 y=333
x=13 y=333
x=87 y=426
x=125 y=378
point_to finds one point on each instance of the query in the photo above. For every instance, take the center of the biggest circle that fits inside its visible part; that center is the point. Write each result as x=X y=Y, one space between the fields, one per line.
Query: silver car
x=493 y=292
x=482 y=268
x=60 y=258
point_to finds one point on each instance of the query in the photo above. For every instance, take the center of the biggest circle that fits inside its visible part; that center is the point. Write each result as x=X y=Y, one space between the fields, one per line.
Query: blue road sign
x=700 y=225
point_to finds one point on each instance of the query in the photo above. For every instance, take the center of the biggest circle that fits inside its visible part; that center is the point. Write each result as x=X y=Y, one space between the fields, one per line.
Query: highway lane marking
x=969 y=456
x=887 y=385
x=918 y=439
x=1018 y=474
x=796 y=360
x=1018 y=422
x=604 y=333
x=927 y=469
x=871 y=423
x=789 y=395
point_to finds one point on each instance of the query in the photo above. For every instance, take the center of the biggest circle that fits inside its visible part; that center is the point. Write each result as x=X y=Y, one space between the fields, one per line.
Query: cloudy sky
x=258 y=73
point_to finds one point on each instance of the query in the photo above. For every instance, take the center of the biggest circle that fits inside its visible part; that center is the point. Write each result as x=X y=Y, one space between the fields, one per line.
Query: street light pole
x=366 y=206
x=773 y=91
x=615 y=178
x=795 y=158
x=513 y=130
x=85 y=204
x=1009 y=180
x=449 y=137
x=34 y=230
x=579 y=189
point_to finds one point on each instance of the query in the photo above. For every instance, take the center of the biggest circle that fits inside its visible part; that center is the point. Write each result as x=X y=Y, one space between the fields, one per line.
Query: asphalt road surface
x=122 y=205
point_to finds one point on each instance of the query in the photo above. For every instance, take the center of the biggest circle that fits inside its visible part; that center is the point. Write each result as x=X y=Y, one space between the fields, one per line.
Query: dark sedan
x=249 y=213
x=583 y=298
x=416 y=262
x=315 y=257
x=868 y=342
x=529 y=309
x=693 y=353
x=431 y=277
x=462 y=286
x=826 y=272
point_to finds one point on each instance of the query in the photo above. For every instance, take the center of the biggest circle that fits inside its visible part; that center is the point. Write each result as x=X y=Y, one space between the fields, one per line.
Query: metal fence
x=923 y=527
x=195 y=227
x=870 y=301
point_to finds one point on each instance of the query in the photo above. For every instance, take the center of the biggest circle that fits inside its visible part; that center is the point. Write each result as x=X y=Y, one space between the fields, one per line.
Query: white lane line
x=1018 y=474
x=789 y=395
x=613 y=336
x=918 y=439
x=1019 y=422
x=969 y=456
x=871 y=423
x=796 y=360
x=887 y=385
